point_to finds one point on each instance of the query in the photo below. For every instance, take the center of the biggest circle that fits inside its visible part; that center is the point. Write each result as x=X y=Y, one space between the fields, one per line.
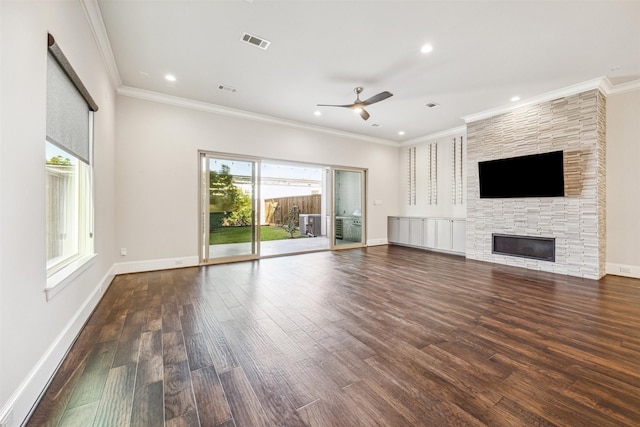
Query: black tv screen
x=537 y=175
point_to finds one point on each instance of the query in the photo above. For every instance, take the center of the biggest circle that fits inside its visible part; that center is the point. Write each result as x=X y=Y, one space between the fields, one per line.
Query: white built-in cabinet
x=416 y=231
x=458 y=235
x=441 y=234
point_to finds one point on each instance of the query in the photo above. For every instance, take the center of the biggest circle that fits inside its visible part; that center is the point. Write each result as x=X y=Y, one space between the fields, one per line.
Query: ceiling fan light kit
x=358 y=105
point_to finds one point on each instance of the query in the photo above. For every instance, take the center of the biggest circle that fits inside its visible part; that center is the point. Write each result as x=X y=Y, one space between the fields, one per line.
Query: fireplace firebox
x=540 y=248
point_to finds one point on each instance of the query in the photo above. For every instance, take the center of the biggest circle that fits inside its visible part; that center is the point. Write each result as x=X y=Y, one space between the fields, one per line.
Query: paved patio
x=271 y=248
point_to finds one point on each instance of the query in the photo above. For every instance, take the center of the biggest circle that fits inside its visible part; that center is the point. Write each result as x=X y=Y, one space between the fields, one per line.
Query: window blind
x=68 y=106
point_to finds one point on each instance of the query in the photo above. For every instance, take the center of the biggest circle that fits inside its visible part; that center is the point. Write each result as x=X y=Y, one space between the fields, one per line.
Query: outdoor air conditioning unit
x=310 y=225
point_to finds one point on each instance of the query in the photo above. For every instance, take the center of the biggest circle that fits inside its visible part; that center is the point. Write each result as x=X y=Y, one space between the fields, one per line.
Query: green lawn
x=243 y=234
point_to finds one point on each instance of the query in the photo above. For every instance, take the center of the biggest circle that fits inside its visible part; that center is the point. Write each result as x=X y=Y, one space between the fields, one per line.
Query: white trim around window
x=60 y=279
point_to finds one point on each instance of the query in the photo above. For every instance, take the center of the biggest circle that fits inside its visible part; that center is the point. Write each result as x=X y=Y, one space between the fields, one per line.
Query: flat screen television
x=536 y=175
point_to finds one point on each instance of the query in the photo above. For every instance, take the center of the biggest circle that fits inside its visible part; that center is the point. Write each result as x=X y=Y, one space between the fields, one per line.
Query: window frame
x=83 y=191
x=68 y=268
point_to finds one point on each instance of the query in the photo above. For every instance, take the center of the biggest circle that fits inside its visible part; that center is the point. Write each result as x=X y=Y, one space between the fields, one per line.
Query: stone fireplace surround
x=574 y=124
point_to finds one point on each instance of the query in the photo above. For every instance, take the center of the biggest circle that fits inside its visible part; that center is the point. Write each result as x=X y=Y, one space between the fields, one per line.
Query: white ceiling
x=484 y=53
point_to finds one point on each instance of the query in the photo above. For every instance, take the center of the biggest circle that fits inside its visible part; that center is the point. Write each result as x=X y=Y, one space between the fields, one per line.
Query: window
x=68 y=148
x=68 y=193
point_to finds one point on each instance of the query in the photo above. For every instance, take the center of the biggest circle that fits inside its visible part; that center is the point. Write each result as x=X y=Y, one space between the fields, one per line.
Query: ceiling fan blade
x=377 y=98
x=334 y=105
x=358 y=105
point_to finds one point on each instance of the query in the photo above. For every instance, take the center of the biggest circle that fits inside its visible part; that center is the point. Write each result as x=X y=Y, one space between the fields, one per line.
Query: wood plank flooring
x=383 y=336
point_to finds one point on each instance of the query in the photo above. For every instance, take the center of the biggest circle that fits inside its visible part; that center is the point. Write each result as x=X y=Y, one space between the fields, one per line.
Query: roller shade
x=68 y=106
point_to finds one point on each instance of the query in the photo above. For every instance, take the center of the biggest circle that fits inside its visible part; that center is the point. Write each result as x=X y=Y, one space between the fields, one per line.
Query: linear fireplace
x=542 y=248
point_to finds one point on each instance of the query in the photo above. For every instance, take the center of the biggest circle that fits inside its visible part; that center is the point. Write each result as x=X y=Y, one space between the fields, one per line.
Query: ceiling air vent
x=227 y=88
x=432 y=105
x=255 y=41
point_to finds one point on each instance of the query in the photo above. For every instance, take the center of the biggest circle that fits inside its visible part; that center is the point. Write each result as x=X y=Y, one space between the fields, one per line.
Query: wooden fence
x=276 y=209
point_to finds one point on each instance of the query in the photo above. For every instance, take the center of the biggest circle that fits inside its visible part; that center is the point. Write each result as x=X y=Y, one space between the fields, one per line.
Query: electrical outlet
x=123 y=251
x=179 y=262
x=625 y=270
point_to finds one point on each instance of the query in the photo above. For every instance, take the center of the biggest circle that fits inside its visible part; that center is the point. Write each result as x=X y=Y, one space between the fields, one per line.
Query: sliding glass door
x=229 y=209
x=348 y=213
x=252 y=207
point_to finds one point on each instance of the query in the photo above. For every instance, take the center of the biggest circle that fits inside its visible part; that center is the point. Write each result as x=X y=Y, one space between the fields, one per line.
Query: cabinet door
x=403 y=231
x=415 y=231
x=459 y=240
x=443 y=227
x=430 y=233
x=393 y=230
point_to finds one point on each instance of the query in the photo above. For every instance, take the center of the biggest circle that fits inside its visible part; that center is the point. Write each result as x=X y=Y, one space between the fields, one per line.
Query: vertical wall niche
x=432 y=174
x=457 y=168
x=411 y=181
x=574 y=124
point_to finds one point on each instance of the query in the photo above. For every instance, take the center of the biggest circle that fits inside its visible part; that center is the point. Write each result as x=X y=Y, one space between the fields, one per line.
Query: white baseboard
x=623 y=270
x=155 y=264
x=424 y=248
x=18 y=407
x=377 y=242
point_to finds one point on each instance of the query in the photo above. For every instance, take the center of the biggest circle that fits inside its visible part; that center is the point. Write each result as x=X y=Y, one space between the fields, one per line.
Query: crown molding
x=601 y=83
x=241 y=114
x=605 y=85
x=96 y=23
x=624 y=87
x=460 y=130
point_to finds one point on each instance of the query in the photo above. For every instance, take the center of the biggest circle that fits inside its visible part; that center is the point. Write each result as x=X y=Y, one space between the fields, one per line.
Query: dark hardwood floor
x=381 y=336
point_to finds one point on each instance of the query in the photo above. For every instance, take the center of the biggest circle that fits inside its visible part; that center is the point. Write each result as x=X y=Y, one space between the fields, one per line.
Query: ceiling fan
x=359 y=105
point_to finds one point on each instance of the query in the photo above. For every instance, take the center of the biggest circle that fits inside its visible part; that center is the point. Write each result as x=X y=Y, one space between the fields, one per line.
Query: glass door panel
x=348 y=215
x=294 y=208
x=230 y=209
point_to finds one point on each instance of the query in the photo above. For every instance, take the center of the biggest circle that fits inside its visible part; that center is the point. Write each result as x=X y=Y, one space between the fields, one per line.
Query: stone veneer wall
x=574 y=124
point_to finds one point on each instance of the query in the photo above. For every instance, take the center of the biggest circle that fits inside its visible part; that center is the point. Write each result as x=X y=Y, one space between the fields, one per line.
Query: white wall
x=34 y=333
x=445 y=204
x=157 y=171
x=623 y=178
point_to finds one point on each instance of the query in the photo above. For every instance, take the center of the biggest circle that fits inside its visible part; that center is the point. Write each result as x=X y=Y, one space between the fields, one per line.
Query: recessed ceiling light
x=170 y=78
x=515 y=98
x=401 y=133
x=432 y=105
x=616 y=68
x=426 y=48
x=317 y=113
x=143 y=73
